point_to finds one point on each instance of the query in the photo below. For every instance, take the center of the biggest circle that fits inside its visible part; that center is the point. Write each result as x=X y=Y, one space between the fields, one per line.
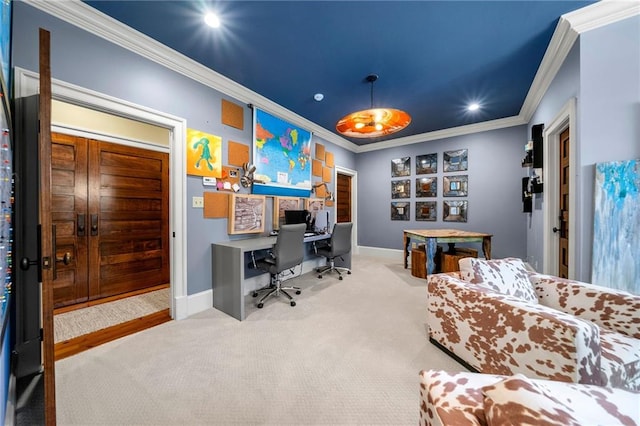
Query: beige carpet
x=349 y=353
x=83 y=321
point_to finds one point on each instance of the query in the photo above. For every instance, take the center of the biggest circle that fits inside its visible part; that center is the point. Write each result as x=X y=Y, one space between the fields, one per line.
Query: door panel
x=110 y=208
x=343 y=198
x=68 y=201
x=564 y=173
x=132 y=204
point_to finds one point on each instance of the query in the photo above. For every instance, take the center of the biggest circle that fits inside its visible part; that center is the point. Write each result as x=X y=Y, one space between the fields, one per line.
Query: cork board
x=320 y=152
x=321 y=191
x=316 y=168
x=328 y=159
x=327 y=173
x=231 y=174
x=232 y=115
x=238 y=153
x=216 y=205
x=328 y=203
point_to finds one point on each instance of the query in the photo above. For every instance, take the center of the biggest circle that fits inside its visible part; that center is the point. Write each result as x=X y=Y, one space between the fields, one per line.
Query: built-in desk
x=229 y=262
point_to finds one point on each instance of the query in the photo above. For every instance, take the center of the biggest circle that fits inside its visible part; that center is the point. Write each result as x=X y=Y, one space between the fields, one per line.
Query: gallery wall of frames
x=421 y=174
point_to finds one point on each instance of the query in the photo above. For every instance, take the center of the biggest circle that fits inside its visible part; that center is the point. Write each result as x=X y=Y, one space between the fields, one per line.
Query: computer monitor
x=297 y=216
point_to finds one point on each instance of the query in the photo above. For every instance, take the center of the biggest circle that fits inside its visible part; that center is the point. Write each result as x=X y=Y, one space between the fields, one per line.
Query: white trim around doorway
x=27 y=84
x=566 y=118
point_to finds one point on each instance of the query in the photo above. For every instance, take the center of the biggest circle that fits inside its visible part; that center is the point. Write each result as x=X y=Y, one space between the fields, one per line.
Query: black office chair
x=286 y=254
x=339 y=245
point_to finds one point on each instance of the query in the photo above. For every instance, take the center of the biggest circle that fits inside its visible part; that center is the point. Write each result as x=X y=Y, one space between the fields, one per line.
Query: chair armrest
x=613 y=309
x=499 y=334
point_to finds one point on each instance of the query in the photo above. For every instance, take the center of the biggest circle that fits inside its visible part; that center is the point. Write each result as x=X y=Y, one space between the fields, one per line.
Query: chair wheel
x=319 y=276
x=254 y=294
x=260 y=305
x=348 y=272
x=298 y=291
x=340 y=278
x=293 y=303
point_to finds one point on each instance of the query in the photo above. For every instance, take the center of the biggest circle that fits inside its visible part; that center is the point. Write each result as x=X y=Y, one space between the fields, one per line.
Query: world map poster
x=281 y=155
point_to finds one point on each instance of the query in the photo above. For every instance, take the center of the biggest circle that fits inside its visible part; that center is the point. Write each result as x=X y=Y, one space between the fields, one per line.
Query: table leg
x=486 y=247
x=431 y=246
x=405 y=241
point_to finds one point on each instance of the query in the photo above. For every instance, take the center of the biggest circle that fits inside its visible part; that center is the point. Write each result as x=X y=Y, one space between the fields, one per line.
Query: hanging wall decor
x=401 y=188
x=455 y=161
x=401 y=167
x=400 y=210
x=455 y=186
x=426 y=187
x=426 y=164
x=454 y=211
x=426 y=211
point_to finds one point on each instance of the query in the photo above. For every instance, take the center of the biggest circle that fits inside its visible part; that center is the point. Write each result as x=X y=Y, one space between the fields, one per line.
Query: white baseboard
x=195 y=303
x=380 y=252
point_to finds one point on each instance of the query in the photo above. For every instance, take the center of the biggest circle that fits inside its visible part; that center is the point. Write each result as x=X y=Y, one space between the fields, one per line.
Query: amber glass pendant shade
x=371 y=123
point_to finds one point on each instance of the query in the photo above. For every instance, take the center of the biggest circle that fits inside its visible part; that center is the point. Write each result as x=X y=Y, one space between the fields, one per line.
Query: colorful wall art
x=616 y=226
x=204 y=154
x=282 y=156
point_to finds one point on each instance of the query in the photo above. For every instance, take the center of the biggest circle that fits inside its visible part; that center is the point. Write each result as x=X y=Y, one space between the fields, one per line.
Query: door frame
x=27 y=83
x=354 y=204
x=551 y=165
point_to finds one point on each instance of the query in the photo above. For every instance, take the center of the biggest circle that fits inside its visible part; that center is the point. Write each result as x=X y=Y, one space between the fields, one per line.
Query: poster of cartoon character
x=204 y=154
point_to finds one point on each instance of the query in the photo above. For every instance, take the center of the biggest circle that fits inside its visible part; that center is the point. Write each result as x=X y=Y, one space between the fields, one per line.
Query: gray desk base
x=229 y=263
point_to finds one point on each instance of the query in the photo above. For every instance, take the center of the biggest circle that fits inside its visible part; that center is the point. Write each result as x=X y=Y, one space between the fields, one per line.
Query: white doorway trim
x=26 y=84
x=354 y=203
x=566 y=118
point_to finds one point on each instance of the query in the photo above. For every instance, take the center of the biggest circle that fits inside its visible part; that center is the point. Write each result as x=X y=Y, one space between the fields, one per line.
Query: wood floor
x=82 y=343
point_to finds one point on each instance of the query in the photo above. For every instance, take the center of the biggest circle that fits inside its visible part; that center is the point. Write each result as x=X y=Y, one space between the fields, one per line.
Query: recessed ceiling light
x=473 y=107
x=318 y=97
x=212 y=20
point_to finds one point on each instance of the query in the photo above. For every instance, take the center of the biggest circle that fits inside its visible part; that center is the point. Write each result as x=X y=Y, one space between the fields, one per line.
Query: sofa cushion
x=620 y=362
x=505 y=276
x=518 y=400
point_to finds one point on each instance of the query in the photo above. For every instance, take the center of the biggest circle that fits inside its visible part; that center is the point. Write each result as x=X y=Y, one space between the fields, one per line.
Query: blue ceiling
x=432 y=57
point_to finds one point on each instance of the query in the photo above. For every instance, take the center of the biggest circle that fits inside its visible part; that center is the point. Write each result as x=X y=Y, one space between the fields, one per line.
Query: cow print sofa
x=498 y=317
x=482 y=399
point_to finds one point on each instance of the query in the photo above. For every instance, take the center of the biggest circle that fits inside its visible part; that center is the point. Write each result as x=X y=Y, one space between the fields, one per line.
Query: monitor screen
x=296 y=216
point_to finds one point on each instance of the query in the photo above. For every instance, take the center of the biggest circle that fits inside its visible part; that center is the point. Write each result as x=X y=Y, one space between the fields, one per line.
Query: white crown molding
x=91 y=20
x=569 y=27
x=484 y=126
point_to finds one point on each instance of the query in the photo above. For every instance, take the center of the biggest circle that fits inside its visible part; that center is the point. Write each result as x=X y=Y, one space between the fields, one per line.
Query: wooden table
x=432 y=237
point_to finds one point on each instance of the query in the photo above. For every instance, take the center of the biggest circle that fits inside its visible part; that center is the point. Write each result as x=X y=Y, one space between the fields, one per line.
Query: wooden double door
x=109 y=208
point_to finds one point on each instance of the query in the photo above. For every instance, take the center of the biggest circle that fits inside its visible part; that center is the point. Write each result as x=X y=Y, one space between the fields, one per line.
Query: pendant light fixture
x=373 y=122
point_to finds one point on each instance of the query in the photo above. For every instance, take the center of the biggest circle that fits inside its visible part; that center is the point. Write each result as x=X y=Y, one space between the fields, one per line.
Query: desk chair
x=339 y=245
x=286 y=254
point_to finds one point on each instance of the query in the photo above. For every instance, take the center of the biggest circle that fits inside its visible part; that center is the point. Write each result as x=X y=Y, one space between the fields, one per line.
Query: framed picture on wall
x=426 y=187
x=455 y=161
x=454 y=211
x=400 y=210
x=401 y=188
x=426 y=211
x=455 y=186
x=280 y=204
x=246 y=213
x=401 y=167
x=426 y=164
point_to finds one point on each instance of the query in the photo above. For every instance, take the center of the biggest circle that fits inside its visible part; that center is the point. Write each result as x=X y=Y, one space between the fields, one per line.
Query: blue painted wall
x=494 y=200
x=88 y=61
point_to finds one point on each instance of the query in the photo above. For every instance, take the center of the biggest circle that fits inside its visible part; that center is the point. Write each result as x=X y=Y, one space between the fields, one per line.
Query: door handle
x=94 y=224
x=66 y=259
x=81 y=225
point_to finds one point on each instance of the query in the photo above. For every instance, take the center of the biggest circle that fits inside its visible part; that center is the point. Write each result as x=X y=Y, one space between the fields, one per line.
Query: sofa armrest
x=500 y=334
x=613 y=309
x=453 y=398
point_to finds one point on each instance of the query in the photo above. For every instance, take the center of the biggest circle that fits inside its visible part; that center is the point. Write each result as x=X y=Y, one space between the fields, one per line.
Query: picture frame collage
x=426 y=186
